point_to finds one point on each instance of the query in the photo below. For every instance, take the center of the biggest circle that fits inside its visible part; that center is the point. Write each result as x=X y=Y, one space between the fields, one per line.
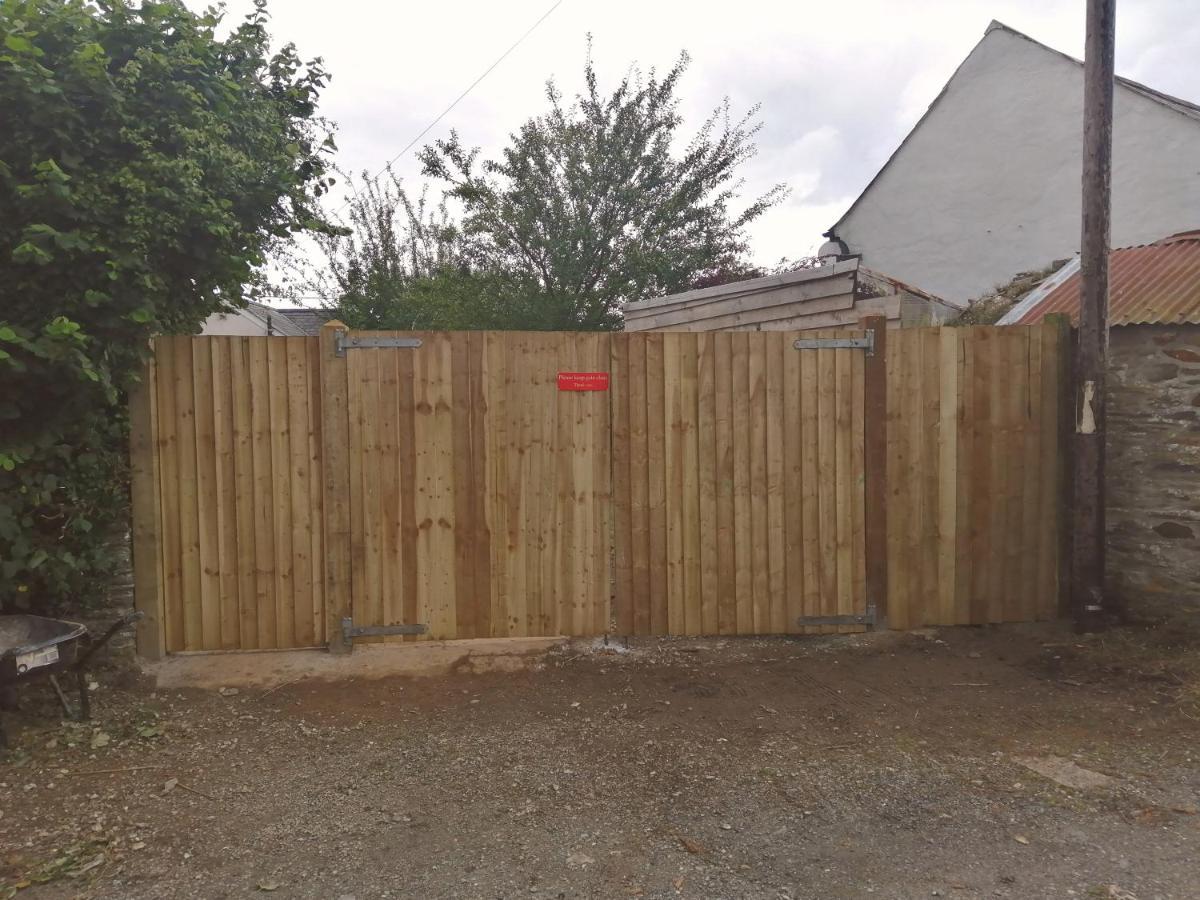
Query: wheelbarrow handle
x=96 y=643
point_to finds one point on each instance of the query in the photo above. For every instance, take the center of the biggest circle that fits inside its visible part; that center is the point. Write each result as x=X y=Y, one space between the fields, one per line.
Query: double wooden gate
x=720 y=483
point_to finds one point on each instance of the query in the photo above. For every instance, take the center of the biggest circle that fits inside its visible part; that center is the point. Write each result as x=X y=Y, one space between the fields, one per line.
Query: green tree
x=401 y=263
x=602 y=202
x=147 y=167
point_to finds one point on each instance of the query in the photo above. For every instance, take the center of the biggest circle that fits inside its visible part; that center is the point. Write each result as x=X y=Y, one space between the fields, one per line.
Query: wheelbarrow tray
x=32 y=645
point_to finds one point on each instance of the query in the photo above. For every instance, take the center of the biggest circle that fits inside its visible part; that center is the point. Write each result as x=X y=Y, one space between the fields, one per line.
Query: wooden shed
x=834 y=295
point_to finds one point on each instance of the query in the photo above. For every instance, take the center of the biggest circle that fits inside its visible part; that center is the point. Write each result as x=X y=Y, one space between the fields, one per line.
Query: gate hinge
x=343 y=342
x=863 y=343
x=350 y=631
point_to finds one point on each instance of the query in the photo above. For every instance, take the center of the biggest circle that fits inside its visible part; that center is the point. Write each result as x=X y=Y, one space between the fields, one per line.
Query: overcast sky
x=839 y=83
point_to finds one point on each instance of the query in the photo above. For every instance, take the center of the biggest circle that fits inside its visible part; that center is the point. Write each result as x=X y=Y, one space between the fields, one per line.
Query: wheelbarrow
x=36 y=646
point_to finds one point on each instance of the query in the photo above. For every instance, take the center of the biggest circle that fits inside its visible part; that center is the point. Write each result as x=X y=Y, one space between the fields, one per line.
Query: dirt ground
x=877 y=765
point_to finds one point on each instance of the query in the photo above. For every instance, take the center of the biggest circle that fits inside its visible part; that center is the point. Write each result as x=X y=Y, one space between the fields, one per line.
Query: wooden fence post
x=335 y=461
x=875 y=466
x=1066 y=437
x=144 y=510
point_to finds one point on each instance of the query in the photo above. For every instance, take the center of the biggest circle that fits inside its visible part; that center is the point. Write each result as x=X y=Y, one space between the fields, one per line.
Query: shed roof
x=308 y=320
x=1150 y=284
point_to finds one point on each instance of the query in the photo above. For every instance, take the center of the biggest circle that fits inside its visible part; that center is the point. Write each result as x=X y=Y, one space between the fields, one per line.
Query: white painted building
x=987 y=184
x=260 y=320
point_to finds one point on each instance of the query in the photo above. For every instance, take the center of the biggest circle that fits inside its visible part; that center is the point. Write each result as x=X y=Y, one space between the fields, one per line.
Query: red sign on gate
x=583 y=381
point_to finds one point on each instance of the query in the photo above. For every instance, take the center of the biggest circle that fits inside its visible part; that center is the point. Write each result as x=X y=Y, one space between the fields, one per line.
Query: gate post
x=335 y=465
x=875 y=468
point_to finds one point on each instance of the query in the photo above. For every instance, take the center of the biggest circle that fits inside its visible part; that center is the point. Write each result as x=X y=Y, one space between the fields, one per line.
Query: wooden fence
x=725 y=483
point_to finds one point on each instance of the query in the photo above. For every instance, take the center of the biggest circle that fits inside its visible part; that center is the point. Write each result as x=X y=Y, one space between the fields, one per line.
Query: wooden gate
x=477 y=493
x=725 y=483
x=739 y=482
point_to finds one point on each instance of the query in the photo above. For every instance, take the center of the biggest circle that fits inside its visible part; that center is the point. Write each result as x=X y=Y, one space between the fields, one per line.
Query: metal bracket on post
x=863 y=343
x=869 y=619
x=350 y=631
x=344 y=342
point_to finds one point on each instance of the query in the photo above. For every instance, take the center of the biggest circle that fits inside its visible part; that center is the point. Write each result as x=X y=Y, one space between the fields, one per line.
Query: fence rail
x=716 y=483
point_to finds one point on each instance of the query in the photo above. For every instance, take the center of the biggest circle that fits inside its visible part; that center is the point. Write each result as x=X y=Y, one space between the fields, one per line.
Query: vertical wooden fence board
x=827 y=483
x=281 y=493
x=656 y=488
x=931 y=476
x=1052 y=480
x=639 y=477
x=874 y=469
x=743 y=536
x=622 y=487
x=549 y=460
x=793 y=478
x=811 y=475
x=858 y=484
x=167 y=447
x=671 y=476
x=337 y=487
x=243 y=475
x=963 y=540
x=191 y=600
x=463 y=489
x=775 y=436
x=693 y=524
x=758 y=549
x=723 y=427
x=263 y=494
x=981 y=484
x=844 y=495
x=570 y=534
x=1030 y=474
x=316 y=491
x=406 y=463
x=602 y=508
x=949 y=417
x=298 y=428
x=495 y=389
x=206 y=495
x=480 y=407
x=388 y=435
x=226 y=495
x=147 y=521
x=433 y=438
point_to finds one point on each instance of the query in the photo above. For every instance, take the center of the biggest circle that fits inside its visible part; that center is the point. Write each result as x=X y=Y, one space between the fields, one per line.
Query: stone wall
x=1153 y=469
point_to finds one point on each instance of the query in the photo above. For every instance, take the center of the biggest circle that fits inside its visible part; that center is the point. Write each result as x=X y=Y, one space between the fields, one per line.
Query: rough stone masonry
x=1153 y=469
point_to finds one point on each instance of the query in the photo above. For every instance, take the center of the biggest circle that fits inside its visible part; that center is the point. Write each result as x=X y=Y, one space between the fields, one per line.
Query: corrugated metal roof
x=1151 y=284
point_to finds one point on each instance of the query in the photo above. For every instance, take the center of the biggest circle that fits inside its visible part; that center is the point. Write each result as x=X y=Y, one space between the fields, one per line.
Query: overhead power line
x=486 y=72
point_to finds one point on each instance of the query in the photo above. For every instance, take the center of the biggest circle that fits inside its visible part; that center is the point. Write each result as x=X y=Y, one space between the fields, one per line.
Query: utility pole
x=1087 y=572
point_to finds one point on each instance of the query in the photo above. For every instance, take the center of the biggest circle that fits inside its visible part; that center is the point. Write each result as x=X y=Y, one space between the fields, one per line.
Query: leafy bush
x=146 y=169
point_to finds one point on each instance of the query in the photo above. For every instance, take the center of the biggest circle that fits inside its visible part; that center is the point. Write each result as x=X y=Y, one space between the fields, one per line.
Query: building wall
x=988 y=184
x=237 y=323
x=1153 y=466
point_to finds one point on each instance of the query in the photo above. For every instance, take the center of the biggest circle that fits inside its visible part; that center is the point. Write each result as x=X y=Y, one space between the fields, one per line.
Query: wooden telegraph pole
x=1087 y=573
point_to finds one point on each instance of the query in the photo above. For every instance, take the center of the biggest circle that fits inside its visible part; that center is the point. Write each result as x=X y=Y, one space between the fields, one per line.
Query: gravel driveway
x=875 y=765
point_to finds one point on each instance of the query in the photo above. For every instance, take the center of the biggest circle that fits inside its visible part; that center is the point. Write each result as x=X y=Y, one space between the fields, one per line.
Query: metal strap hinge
x=344 y=342
x=863 y=343
x=350 y=631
